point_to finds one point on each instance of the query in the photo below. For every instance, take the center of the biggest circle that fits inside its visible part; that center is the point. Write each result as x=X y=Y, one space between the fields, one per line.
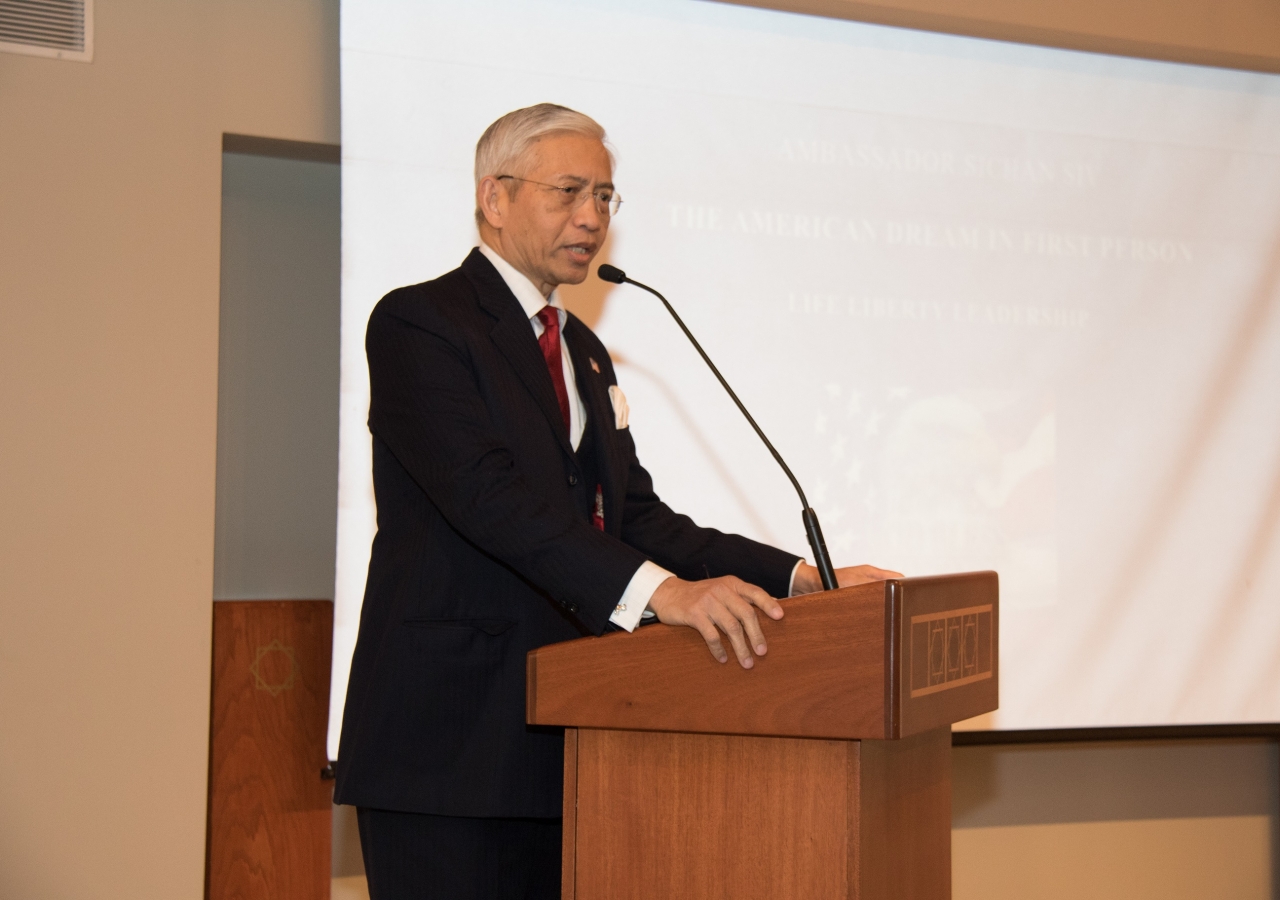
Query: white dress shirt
x=634 y=603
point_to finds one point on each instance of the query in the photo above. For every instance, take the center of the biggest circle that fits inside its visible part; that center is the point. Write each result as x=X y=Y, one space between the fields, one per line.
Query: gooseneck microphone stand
x=820 y=556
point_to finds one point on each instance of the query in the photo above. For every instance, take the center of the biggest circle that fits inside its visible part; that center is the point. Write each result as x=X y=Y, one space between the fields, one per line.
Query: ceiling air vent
x=62 y=29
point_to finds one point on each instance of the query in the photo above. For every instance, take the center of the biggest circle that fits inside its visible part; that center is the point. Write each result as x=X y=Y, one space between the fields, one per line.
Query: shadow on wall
x=346 y=859
x=1115 y=821
x=1058 y=783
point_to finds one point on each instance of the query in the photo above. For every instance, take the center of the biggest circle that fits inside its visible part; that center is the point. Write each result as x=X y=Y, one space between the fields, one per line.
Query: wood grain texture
x=270 y=811
x=838 y=667
x=568 y=845
x=693 y=815
x=903 y=845
x=921 y=597
x=705 y=816
x=823 y=676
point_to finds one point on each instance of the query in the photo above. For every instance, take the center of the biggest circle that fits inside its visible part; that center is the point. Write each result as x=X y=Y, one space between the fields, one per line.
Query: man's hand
x=727 y=604
x=808 y=579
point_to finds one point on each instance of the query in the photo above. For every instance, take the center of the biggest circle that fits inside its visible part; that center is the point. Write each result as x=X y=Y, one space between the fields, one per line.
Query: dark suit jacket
x=483 y=553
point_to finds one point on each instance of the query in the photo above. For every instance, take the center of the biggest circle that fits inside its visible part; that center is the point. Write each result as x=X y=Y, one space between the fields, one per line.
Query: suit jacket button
x=573 y=479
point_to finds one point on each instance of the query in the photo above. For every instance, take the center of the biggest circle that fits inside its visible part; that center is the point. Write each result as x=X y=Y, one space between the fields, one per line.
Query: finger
x=729 y=624
x=761 y=598
x=704 y=627
x=855 y=575
x=871 y=573
x=746 y=614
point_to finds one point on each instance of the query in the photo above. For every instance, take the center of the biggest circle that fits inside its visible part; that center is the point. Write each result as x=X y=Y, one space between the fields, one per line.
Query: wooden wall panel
x=269 y=808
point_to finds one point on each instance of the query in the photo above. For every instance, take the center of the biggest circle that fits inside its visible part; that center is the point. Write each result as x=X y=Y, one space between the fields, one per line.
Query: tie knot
x=550 y=317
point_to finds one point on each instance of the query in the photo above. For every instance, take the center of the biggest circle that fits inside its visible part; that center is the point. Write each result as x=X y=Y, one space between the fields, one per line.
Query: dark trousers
x=413 y=856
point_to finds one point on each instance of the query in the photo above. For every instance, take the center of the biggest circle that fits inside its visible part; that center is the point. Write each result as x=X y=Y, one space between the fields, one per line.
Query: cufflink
x=621 y=607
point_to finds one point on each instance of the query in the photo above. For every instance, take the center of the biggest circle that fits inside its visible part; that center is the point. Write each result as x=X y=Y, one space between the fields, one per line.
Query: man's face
x=551 y=235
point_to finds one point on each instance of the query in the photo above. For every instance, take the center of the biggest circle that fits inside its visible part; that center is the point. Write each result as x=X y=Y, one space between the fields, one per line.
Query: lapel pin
x=595 y=366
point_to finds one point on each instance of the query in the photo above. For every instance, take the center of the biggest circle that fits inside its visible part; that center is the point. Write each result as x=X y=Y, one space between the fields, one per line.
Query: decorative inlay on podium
x=951 y=648
x=824 y=772
x=274 y=668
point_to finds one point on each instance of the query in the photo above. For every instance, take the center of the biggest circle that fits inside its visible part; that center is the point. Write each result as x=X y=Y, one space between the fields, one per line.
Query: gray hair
x=505 y=144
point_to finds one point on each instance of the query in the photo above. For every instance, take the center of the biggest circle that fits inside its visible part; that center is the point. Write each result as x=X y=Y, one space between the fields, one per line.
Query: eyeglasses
x=572 y=196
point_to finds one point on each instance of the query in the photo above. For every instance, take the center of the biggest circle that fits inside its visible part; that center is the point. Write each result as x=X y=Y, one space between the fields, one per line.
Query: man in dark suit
x=512 y=513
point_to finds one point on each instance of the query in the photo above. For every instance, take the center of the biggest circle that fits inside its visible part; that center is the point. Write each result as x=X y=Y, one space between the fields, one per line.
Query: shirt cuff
x=791 y=585
x=635 y=599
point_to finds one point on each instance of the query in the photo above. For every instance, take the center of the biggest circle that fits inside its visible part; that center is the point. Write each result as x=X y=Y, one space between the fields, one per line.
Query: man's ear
x=491 y=200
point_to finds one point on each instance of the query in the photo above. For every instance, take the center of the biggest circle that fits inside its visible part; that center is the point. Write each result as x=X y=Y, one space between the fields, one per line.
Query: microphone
x=820 y=556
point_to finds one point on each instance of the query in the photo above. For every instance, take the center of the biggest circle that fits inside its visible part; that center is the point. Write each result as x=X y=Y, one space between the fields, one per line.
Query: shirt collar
x=531 y=299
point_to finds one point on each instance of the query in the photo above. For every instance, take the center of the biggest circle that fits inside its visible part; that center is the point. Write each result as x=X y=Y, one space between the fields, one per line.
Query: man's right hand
x=718 y=605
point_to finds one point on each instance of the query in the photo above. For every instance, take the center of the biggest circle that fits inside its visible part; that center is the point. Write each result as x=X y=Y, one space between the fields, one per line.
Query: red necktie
x=549 y=341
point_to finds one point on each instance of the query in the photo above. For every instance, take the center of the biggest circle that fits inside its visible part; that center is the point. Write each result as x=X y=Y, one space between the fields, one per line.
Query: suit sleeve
x=676 y=542
x=426 y=406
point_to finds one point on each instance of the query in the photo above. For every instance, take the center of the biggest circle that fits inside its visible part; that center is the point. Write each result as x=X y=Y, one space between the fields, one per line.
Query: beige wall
x=109 y=240
x=109 y=251
x=1241 y=34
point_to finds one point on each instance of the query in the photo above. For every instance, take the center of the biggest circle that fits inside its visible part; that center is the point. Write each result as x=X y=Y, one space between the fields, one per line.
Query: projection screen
x=1000 y=307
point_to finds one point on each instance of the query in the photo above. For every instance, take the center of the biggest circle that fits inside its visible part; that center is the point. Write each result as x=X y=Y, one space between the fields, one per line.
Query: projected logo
x=931 y=480
x=950 y=649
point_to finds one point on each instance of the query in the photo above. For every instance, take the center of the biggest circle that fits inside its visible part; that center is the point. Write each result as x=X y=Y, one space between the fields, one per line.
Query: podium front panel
x=650 y=814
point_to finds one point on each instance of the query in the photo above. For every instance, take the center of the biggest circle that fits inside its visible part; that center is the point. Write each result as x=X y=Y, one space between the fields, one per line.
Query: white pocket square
x=620 y=409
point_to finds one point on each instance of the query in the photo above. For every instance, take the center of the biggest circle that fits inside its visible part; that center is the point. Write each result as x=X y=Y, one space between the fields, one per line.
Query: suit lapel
x=514 y=338
x=594 y=391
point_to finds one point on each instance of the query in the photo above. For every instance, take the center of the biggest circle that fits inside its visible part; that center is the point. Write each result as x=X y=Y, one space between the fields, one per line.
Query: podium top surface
x=879 y=661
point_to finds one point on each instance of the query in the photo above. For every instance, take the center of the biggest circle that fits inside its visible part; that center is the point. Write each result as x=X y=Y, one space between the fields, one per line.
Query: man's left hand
x=808 y=579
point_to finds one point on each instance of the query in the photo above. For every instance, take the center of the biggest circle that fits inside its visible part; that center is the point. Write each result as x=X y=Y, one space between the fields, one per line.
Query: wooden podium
x=823 y=772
